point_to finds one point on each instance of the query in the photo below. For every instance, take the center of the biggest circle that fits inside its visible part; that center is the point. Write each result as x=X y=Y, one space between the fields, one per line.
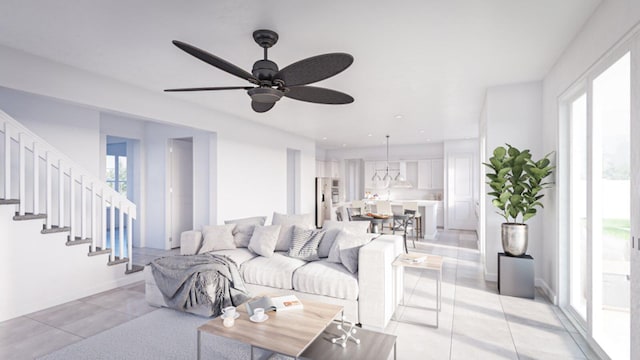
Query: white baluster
x=112 y=229
x=103 y=206
x=121 y=229
x=83 y=211
x=60 y=194
x=129 y=238
x=36 y=179
x=48 y=190
x=94 y=230
x=7 y=161
x=21 y=171
x=72 y=205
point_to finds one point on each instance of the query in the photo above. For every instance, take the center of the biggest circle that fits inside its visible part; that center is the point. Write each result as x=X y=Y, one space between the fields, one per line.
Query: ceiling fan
x=270 y=84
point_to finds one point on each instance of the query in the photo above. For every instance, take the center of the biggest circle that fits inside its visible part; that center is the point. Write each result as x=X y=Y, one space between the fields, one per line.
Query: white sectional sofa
x=369 y=296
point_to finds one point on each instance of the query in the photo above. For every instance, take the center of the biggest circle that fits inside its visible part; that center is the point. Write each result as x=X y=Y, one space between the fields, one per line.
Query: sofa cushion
x=238 y=255
x=217 y=237
x=275 y=271
x=332 y=228
x=264 y=239
x=345 y=240
x=287 y=222
x=244 y=229
x=304 y=244
x=328 y=279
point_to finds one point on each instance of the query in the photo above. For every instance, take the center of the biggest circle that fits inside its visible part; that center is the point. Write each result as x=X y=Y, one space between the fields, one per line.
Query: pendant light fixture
x=387 y=180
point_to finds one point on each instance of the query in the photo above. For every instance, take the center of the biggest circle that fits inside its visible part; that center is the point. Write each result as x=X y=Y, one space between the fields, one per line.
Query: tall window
x=117 y=167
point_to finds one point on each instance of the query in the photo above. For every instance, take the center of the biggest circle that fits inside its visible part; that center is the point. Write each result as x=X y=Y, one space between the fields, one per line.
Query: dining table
x=376 y=221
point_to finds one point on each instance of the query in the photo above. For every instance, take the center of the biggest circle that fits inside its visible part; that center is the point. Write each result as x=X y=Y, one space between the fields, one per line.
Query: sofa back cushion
x=346 y=240
x=332 y=228
x=244 y=229
x=217 y=237
x=286 y=231
x=264 y=239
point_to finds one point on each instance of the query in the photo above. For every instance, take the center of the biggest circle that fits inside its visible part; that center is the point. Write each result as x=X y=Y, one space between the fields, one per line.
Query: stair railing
x=72 y=180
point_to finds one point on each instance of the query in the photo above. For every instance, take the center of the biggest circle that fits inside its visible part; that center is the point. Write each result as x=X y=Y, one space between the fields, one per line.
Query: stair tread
x=29 y=216
x=55 y=229
x=78 y=242
x=134 y=269
x=99 y=251
x=117 y=261
x=9 y=201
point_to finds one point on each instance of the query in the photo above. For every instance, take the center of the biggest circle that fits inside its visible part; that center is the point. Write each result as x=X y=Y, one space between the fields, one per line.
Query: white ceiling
x=427 y=60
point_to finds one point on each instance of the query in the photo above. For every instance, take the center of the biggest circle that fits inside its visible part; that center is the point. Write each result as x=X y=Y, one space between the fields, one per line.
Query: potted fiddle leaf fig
x=516 y=183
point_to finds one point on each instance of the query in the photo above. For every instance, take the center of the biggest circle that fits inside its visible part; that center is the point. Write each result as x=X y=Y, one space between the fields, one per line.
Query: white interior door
x=460 y=200
x=180 y=188
x=635 y=201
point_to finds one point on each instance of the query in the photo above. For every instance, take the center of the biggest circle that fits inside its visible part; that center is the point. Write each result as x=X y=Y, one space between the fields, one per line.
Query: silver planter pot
x=515 y=238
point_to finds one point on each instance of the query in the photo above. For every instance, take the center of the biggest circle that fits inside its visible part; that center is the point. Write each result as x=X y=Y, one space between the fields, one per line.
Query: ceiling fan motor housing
x=264 y=69
x=265 y=94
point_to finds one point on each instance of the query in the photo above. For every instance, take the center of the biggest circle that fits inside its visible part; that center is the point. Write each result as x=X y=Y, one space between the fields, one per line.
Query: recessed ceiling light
x=344 y=145
x=428 y=139
x=421 y=131
x=398 y=116
x=369 y=135
x=324 y=138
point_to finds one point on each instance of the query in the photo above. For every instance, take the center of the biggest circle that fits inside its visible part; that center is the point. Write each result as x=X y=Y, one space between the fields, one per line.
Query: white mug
x=258 y=313
x=229 y=311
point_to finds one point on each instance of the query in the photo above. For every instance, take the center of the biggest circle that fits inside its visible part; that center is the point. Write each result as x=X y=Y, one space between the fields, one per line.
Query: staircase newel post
x=36 y=179
x=83 y=212
x=103 y=206
x=7 y=161
x=60 y=194
x=48 y=190
x=21 y=171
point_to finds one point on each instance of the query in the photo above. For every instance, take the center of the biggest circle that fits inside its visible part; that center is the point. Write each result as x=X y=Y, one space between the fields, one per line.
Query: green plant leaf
x=499 y=152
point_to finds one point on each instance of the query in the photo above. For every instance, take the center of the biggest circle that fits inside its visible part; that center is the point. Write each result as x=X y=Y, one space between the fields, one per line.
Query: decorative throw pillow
x=264 y=239
x=304 y=243
x=287 y=222
x=344 y=240
x=333 y=227
x=218 y=237
x=349 y=256
x=244 y=229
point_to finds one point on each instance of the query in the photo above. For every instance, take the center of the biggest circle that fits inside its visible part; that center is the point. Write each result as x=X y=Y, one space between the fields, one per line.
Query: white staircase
x=47 y=197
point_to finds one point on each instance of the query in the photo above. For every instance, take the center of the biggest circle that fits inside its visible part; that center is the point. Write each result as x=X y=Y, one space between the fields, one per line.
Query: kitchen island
x=427 y=208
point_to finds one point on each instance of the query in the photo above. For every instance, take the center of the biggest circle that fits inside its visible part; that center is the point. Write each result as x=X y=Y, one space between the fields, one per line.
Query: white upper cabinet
x=431 y=174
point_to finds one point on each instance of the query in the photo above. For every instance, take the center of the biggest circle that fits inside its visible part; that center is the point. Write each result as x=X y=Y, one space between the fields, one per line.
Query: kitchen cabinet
x=369 y=170
x=431 y=174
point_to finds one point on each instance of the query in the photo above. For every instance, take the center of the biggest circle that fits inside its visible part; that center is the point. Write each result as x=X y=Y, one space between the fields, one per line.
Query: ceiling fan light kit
x=270 y=83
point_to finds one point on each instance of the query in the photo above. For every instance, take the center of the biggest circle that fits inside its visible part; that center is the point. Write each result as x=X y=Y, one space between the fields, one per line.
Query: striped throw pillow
x=304 y=243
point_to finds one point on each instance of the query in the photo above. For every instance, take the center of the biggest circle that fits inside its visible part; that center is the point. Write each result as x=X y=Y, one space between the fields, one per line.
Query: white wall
x=250 y=157
x=513 y=115
x=71 y=129
x=609 y=23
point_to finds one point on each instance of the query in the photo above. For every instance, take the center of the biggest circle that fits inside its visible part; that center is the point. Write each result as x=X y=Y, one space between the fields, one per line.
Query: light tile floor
x=475 y=322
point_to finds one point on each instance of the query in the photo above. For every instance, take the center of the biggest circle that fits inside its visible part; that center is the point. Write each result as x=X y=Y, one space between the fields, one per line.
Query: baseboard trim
x=547 y=290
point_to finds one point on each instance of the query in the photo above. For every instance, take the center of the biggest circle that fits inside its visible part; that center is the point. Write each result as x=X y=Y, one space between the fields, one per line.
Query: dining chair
x=383 y=207
x=352 y=211
x=416 y=221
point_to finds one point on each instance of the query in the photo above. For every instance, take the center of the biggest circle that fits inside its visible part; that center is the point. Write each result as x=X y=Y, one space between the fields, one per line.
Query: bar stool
x=404 y=221
x=416 y=222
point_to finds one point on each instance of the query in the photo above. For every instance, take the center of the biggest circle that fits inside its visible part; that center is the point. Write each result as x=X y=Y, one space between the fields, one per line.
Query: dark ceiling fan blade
x=261 y=107
x=212 y=88
x=216 y=61
x=318 y=95
x=314 y=69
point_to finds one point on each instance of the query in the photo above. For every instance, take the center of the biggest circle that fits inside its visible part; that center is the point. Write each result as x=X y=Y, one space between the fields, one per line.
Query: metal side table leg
x=198 y=344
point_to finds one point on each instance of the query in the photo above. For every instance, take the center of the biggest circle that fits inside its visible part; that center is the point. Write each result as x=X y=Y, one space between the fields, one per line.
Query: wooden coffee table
x=286 y=332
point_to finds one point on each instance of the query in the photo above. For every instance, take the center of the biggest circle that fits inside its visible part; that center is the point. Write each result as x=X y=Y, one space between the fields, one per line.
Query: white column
x=7 y=161
x=121 y=229
x=72 y=205
x=60 y=194
x=48 y=190
x=21 y=171
x=36 y=179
